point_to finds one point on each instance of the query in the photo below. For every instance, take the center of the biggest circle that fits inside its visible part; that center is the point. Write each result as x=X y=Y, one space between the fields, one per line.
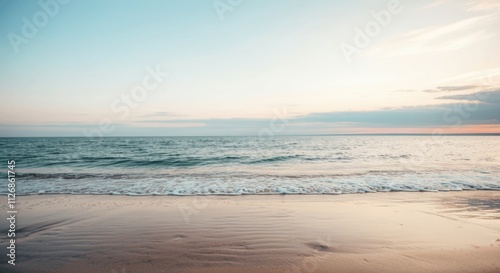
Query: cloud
x=483 y=5
x=456 y=88
x=486 y=77
x=478 y=110
x=471 y=5
x=492 y=97
x=437 y=115
x=435 y=3
x=481 y=111
x=444 y=89
x=436 y=38
x=164 y=124
x=160 y=114
x=451 y=88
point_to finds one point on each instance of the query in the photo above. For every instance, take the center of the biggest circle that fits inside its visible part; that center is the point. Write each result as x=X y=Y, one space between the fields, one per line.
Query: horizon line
x=277 y=135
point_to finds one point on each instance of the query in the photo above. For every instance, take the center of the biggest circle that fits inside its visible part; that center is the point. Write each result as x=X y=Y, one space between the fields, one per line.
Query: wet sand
x=382 y=232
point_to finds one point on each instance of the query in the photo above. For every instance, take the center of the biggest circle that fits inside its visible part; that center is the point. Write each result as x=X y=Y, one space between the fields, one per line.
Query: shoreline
x=385 y=232
x=261 y=194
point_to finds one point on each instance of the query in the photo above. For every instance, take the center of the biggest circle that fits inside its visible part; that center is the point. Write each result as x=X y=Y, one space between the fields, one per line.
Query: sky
x=241 y=67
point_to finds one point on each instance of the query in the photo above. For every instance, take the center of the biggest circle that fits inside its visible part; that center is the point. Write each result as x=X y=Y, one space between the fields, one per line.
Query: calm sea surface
x=250 y=165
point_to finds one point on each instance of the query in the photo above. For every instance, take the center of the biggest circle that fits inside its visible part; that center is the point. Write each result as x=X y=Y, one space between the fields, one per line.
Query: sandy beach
x=382 y=232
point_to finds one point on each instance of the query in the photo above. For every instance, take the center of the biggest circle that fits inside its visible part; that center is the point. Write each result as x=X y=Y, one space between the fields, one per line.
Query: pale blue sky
x=229 y=75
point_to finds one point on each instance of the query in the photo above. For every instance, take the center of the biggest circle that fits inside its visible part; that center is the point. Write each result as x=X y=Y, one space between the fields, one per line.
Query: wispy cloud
x=451 y=88
x=160 y=114
x=169 y=124
x=492 y=97
x=490 y=76
x=441 y=89
x=435 y=4
x=437 y=38
x=484 y=5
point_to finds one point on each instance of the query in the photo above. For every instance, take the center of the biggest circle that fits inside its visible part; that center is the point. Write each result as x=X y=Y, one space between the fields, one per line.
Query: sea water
x=252 y=165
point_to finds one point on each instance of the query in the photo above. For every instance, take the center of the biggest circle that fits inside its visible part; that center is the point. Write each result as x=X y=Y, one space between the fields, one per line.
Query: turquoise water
x=253 y=165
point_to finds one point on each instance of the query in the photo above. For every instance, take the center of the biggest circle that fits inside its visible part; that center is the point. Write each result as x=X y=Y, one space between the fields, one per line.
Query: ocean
x=252 y=165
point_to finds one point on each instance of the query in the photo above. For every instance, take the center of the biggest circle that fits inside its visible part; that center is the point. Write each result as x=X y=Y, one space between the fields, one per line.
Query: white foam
x=239 y=184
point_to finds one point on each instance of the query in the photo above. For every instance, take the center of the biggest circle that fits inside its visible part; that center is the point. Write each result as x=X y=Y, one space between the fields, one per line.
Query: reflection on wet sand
x=484 y=205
